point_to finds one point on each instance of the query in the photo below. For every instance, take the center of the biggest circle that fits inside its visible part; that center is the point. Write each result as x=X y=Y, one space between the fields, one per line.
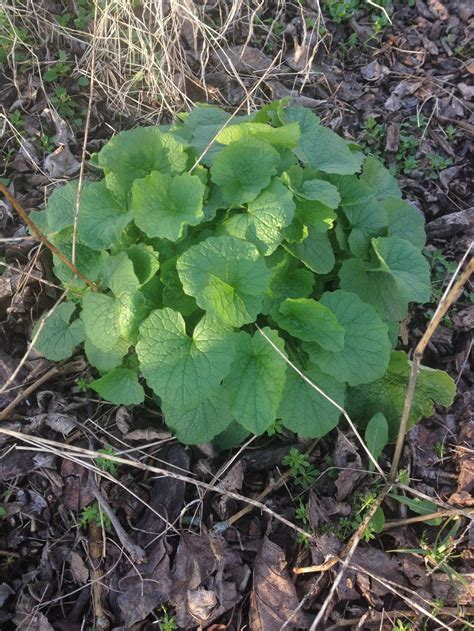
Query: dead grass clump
x=153 y=58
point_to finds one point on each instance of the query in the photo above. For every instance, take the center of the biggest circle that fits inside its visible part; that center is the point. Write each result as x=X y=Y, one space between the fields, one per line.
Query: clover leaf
x=227 y=277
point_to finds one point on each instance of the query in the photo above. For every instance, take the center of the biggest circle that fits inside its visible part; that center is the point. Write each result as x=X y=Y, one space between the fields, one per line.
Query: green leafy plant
x=92 y=514
x=439 y=554
x=301 y=469
x=105 y=464
x=167 y=621
x=218 y=251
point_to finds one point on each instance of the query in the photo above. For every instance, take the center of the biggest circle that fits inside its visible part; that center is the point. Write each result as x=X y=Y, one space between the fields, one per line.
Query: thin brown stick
x=270 y=488
x=41 y=237
x=353 y=542
x=5 y=413
x=137 y=553
x=376 y=616
x=455 y=512
x=447 y=300
x=137 y=464
x=86 y=135
x=101 y=621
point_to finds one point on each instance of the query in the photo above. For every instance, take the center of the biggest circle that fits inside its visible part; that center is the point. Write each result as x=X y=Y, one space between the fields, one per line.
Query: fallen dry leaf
x=273 y=600
x=145 y=589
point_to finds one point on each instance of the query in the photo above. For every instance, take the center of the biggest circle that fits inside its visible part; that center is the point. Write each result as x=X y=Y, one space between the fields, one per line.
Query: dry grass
x=160 y=57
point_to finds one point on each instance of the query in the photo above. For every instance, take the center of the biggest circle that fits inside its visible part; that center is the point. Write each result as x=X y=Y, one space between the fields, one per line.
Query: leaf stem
x=41 y=237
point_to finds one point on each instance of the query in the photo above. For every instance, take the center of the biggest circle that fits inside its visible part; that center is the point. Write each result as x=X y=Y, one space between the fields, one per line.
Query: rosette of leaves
x=219 y=248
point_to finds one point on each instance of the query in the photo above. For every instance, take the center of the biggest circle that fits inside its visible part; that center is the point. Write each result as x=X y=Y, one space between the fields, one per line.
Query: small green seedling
x=92 y=514
x=167 y=621
x=105 y=464
x=220 y=248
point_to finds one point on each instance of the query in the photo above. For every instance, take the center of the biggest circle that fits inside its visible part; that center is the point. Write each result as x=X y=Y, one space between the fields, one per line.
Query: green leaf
x=320 y=147
x=243 y=169
x=399 y=275
x=367 y=220
x=145 y=260
x=266 y=217
x=100 y=320
x=379 y=179
x=163 y=204
x=233 y=435
x=285 y=136
x=118 y=274
x=120 y=386
x=58 y=338
x=106 y=360
x=310 y=321
x=315 y=251
x=288 y=280
x=101 y=217
x=254 y=385
x=303 y=410
x=131 y=310
x=201 y=422
x=387 y=395
x=88 y=262
x=134 y=154
x=405 y=221
x=227 y=277
x=173 y=292
x=378 y=520
x=268 y=214
x=418 y=506
x=366 y=351
x=59 y=211
x=321 y=191
x=183 y=370
x=376 y=436
x=353 y=190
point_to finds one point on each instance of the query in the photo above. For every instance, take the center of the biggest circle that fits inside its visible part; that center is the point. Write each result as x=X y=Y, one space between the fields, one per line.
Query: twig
x=86 y=134
x=90 y=454
x=22 y=361
x=5 y=413
x=41 y=237
x=422 y=518
x=101 y=622
x=137 y=553
x=349 y=549
x=449 y=297
x=270 y=488
x=376 y=616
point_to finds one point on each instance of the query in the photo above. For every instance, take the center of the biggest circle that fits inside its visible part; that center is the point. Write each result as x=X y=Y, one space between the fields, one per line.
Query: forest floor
x=399 y=81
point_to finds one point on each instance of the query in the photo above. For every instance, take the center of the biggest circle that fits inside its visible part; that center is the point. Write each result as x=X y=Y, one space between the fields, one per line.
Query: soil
x=179 y=552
